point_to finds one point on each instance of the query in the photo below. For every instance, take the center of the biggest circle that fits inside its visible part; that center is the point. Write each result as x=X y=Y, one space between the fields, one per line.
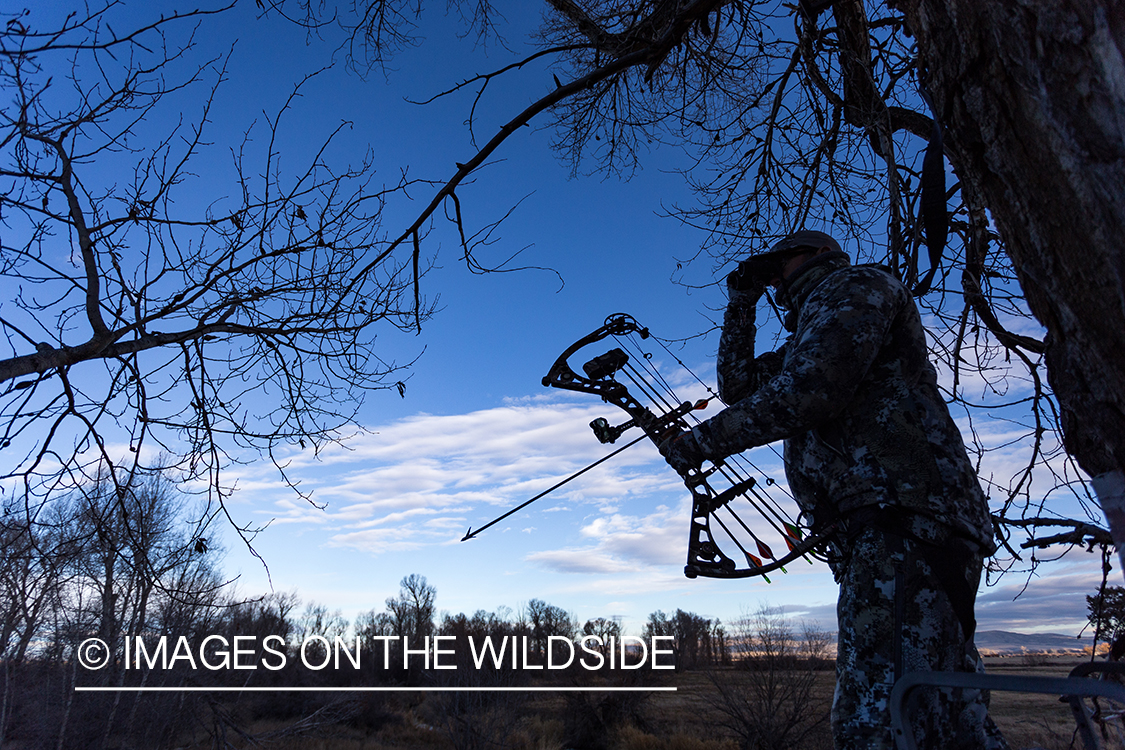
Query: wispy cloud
x=619 y=543
x=616 y=533
x=1054 y=598
x=425 y=478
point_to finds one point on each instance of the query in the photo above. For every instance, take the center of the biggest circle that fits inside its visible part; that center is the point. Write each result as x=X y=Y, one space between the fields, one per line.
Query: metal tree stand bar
x=1072 y=689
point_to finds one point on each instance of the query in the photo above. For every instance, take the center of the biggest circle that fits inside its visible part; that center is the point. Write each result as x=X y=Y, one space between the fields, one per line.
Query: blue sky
x=476 y=432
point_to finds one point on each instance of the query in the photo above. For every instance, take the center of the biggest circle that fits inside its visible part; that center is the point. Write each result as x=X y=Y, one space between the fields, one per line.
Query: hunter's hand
x=681 y=451
x=753 y=275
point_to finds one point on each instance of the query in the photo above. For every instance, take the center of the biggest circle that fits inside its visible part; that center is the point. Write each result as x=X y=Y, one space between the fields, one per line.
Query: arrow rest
x=664 y=423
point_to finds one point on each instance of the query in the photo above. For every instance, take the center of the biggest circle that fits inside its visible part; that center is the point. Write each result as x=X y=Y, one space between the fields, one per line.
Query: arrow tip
x=468 y=534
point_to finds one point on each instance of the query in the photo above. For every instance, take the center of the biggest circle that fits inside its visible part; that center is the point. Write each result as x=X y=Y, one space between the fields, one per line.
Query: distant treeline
x=106 y=588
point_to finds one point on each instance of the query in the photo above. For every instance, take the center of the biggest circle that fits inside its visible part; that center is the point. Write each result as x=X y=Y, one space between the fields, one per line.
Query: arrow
x=470 y=533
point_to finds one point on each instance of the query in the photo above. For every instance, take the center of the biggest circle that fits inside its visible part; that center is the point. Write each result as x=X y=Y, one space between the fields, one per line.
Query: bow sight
x=604 y=368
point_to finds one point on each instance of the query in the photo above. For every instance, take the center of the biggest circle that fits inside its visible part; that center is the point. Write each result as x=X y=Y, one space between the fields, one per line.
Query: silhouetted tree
x=545 y=620
x=770 y=704
x=696 y=641
x=137 y=318
x=1106 y=612
x=815 y=114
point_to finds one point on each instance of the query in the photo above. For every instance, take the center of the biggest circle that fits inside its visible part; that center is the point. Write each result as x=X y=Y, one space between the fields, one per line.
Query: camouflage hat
x=805 y=238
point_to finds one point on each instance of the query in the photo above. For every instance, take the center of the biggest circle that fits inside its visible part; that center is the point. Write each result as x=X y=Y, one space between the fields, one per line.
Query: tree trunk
x=1032 y=97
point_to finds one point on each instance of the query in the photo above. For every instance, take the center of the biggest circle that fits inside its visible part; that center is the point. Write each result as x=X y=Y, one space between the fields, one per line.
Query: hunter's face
x=796 y=261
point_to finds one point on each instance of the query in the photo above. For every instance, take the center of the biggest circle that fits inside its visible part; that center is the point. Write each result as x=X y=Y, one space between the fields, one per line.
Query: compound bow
x=704 y=556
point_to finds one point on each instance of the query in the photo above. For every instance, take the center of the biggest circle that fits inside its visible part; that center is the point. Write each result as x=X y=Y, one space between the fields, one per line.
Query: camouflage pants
x=896 y=617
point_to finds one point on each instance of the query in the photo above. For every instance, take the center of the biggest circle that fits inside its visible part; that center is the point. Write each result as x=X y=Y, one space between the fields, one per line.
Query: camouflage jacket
x=853 y=394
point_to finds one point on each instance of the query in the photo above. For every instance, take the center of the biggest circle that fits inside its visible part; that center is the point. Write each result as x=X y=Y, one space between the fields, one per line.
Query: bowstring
x=734 y=467
x=739 y=459
x=733 y=474
x=714 y=395
x=657 y=376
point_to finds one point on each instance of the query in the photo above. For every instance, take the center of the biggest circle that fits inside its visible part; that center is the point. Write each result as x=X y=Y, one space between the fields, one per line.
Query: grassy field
x=691 y=718
x=1031 y=720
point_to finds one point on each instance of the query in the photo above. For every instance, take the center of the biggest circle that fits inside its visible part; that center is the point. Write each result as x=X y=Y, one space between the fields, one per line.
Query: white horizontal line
x=374 y=689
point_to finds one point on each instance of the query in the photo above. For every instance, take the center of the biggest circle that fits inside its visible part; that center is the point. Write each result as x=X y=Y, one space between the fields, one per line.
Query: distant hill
x=1006 y=643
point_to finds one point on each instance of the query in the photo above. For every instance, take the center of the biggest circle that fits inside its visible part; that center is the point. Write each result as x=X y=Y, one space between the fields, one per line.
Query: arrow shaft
x=551 y=489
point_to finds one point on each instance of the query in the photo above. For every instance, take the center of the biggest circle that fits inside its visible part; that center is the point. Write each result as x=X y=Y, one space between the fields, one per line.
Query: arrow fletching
x=792 y=535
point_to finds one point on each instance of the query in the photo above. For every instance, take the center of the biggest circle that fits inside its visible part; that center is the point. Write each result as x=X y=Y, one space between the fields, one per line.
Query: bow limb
x=562 y=375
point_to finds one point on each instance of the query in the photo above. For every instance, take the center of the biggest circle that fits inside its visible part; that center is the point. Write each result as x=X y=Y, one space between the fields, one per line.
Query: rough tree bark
x=1032 y=95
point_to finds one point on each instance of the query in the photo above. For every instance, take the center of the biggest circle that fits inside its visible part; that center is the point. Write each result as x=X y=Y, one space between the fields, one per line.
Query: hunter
x=872 y=452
